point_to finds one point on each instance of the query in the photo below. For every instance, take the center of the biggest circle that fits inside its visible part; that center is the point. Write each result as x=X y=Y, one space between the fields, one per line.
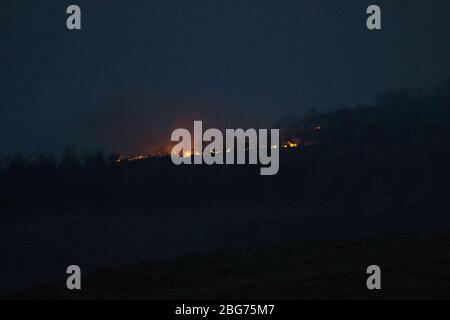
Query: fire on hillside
x=289 y=144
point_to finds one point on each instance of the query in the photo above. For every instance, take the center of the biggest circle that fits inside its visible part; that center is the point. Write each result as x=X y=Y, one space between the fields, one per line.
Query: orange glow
x=187 y=154
x=290 y=144
x=139 y=157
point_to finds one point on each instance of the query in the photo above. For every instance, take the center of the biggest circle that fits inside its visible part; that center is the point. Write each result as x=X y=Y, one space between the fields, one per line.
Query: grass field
x=413 y=266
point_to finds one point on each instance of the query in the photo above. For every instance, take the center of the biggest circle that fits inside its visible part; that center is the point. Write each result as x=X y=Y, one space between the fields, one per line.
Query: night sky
x=138 y=69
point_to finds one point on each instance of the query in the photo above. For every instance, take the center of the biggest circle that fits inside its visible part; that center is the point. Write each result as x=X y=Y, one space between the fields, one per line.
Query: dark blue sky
x=140 y=68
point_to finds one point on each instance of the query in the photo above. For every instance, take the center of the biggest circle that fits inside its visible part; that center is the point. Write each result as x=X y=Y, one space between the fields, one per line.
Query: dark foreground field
x=360 y=173
x=413 y=266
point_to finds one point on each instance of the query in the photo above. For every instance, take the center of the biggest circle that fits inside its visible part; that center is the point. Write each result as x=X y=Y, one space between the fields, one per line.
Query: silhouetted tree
x=95 y=161
x=70 y=159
